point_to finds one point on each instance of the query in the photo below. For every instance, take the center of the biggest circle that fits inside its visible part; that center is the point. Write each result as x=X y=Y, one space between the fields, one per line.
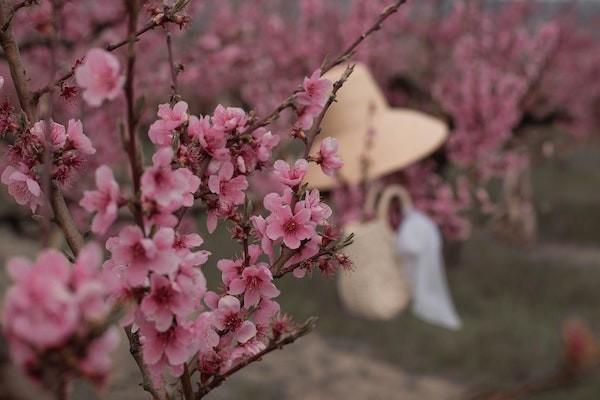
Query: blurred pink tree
x=495 y=75
x=61 y=313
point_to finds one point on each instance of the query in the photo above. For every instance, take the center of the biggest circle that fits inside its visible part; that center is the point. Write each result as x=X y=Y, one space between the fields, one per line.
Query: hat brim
x=402 y=137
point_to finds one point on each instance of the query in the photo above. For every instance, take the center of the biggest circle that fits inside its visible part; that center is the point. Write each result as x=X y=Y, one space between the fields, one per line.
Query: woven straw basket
x=377 y=288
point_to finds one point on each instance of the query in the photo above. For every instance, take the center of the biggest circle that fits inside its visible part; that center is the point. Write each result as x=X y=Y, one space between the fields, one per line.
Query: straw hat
x=402 y=136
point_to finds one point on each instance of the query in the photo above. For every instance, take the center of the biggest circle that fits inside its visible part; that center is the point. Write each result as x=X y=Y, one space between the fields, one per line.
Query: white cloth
x=419 y=243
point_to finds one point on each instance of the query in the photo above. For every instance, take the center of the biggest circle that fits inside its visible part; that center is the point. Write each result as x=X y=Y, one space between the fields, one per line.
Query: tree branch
x=133 y=150
x=349 y=52
x=135 y=350
x=19 y=77
x=13 y=11
x=327 y=66
x=303 y=330
x=316 y=128
x=17 y=70
x=169 y=16
x=174 y=69
x=65 y=220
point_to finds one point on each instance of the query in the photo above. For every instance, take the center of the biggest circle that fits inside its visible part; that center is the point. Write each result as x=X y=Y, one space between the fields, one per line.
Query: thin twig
x=186 y=383
x=18 y=73
x=13 y=12
x=135 y=348
x=316 y=128
x=305 y=329
x=349 y=52
x=170 y=16
x=65 y=220
x=327 y=66
x=173 y=67
x=46 y=176
x=17 y=70
x=133 y=150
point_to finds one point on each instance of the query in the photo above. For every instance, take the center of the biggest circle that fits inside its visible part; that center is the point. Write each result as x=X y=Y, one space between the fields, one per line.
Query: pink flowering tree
x=501 y=77
x=61 y=314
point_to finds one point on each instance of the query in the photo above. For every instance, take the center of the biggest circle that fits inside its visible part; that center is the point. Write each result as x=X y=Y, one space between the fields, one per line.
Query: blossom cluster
x=210 y=158
x=56 y=311
x=459 y=64
x=152 y=275
x=491 y=75
x=65 y=147
x=157 y=268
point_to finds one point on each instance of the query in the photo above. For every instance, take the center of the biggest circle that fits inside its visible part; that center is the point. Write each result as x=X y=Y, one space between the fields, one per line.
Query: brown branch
x=186 y=383
x=316 y=128
x=146 y=28
x=303 y=330
x=65 y=220
x=135 y=348
x=327 y=66
x=17 y=70
x=46 y=175
x=13 y=12
x=19 y=77
x=349 y=52
x=174 y=69
x=133 y=150
x=169 y=16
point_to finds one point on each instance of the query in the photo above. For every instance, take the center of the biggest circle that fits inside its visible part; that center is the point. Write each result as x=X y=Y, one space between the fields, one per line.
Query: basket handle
x=388 y=194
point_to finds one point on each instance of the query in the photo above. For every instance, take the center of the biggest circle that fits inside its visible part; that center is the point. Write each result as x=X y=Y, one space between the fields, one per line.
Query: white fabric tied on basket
x=377 y=288
x=420 y=245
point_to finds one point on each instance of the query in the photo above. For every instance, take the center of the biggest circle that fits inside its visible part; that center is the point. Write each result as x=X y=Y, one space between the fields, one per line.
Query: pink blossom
x=25 y=189
x=104 y=201
x=165 y=300
x=39 y=309
x=274 y=201
x=328 y=158
x=211 y=299
x=265 y=142
x=190 y=279
x=161 y=131
x=167 y=186
x=97 y=362
x=260 y=229
x=220 y=209
x=184 y=243
x=91 y=286
x=255 y=283
x=290 y=176
x=229 y=119
x=292 y=227
x=230 y=318
x=177 y=115
x=265 y=312
x=57 y=137
x=319 y=211
x=78 y=139
x=142 y=255
x=99 y=76
x=307 y=251
x=230 y=189
x=172 y=347
x=316 y=90
x=212 y=140
x=206 y=337
x=230 y=269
